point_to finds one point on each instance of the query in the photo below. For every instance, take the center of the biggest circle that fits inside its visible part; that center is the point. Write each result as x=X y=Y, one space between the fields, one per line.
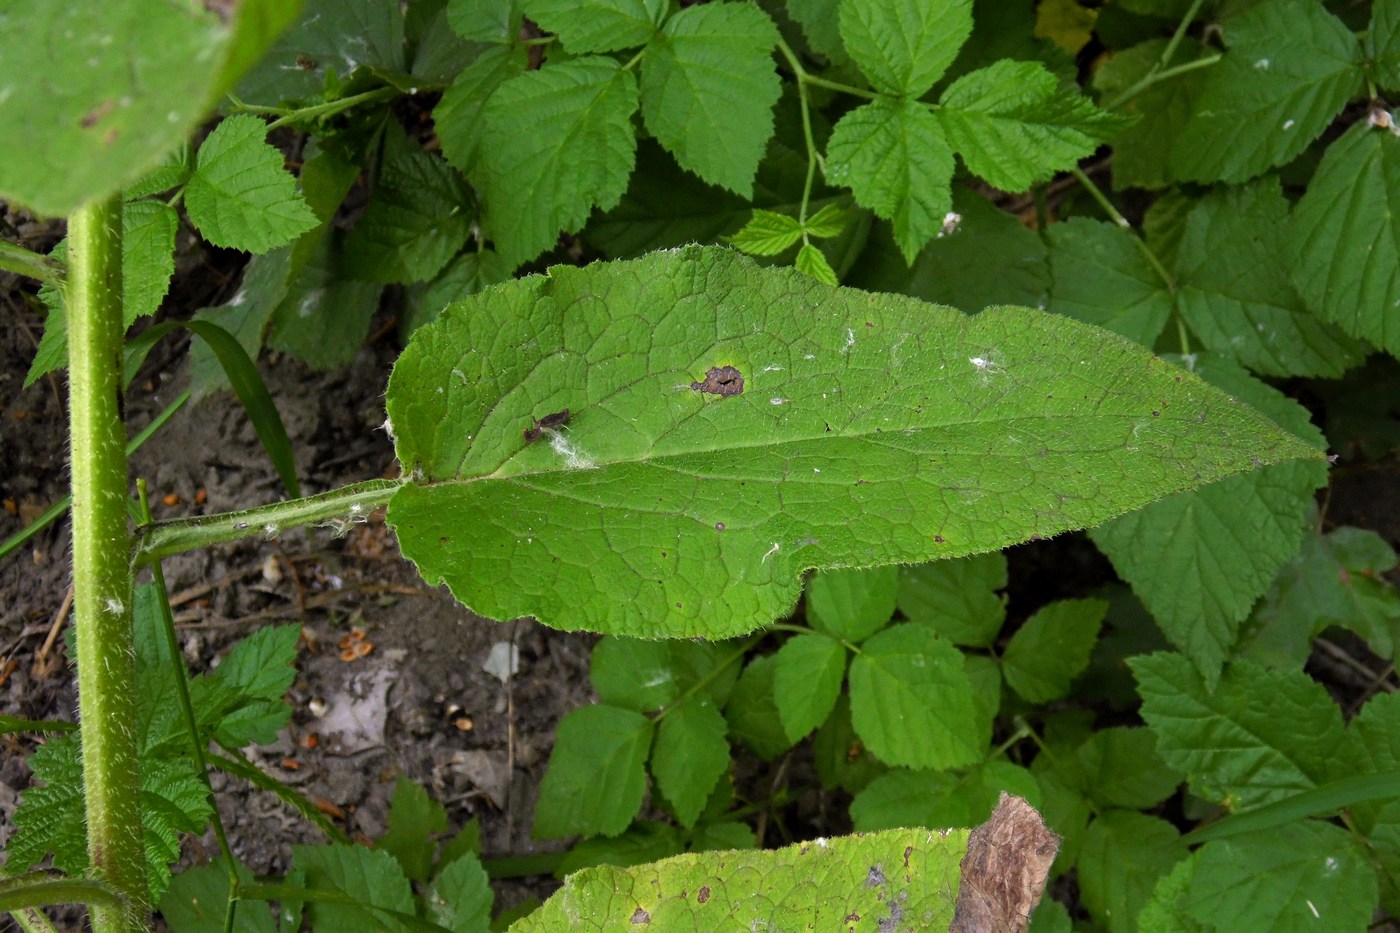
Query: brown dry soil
x=418 y=703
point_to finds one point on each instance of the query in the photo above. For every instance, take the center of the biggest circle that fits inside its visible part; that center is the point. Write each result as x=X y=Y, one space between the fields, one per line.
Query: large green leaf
x=99 y=91
x=582 y=448
x=1290 y=69
x=891 y=878
x=1346 y=236
x=597 y=25
x=1259 y=736
x=1299 y=877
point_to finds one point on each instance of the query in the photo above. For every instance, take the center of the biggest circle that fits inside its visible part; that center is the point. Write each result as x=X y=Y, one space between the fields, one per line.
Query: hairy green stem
x=102 y=575
x=338 y=508
x=29 y=263
x=40 y=888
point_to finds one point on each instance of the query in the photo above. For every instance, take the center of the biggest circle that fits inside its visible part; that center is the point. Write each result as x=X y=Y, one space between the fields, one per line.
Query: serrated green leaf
x=911 y=701
x=324 y=314
x=366 y=878
x=1161 y=111
x=842 y=759
x=767 y=234
x=171 y=173
x=752 y=710
x=50 y=817
x=718 y=493
x=414 y=820
x=811 y=262
x=597 y=25
x=460 y=897
x=1052 y=648
x=457 y=116
x=936 y=800
x=256 y=674
x=1234 y=293
x=905 y=45
x=1123 y=855
x=644 y=841
x=1383 y=43
x=420 y=216
x=816 y=886
x=597 y=773
x=198 y=899
x=476 y=21
x=1258 y=737
x=957 y=598
x=148 y=261
x=466 y=275
x=1121 y=768
x=853 y=604
x=1014 y=124
x=690 y=755
x=330 y=36
x=1303 y=876
x=829 y=221
x=1199 y=560
x=665 y=207
x=239 y=195
x=119 y=90
x=897 y=162
x=1290 y=69
x=990 y=258
x=556 y=143
x=1346 y=236
x=807 y=682
x=1336 y=580
x=1099 y=275
x=708 y=88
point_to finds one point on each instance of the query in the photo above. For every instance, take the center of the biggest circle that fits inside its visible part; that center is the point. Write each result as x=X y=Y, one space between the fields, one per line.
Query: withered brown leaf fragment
x=1004 y=871
x=721 y=380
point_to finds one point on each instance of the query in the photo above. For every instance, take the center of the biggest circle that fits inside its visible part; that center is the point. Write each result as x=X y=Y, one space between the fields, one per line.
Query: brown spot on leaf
x=721 y=380
x=719 y=526
x=306 y=64
x=703 y=895
x=874 y=877
x=1003 y=873
x=91 y=118
x=640 y=916
x=537 y=427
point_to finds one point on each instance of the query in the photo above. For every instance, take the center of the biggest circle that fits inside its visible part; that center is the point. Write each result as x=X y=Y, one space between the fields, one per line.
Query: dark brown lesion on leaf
x=721 y=380
x=538 y=426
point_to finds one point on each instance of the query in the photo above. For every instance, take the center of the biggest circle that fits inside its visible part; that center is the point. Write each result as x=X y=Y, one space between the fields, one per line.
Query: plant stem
x=102 y=574
x=180 y=677
x=338 y=507
x=1117 y=217
x=29 y=263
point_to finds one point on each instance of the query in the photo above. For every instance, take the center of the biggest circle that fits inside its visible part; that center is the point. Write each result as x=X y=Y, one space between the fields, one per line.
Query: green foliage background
x=1212 y=181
